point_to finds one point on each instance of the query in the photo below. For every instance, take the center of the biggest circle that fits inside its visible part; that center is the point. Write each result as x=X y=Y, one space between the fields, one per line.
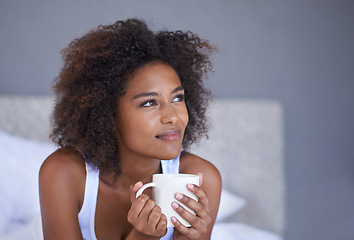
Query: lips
x=170 y=135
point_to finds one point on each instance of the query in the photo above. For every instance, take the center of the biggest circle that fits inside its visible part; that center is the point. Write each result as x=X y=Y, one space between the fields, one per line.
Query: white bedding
x=222 y=231
x=240 y=231
x=20 y=160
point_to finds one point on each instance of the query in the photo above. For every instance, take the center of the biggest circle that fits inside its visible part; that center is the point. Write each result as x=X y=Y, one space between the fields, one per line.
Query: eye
x=179 y=98
x=148 y=103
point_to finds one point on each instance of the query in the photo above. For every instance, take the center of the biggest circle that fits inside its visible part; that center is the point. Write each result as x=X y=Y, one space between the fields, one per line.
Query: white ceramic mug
x=165 y=188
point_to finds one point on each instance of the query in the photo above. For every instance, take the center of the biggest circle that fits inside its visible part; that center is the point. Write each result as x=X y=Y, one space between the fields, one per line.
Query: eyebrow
x=148 y=94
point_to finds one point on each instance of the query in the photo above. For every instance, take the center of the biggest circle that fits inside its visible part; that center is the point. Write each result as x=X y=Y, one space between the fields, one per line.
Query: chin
x=170 y=153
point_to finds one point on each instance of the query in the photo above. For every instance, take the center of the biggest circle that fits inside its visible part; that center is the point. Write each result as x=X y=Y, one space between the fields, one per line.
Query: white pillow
x=31 y=231
x=20 y=160
x=240 y=231
x=229 y=204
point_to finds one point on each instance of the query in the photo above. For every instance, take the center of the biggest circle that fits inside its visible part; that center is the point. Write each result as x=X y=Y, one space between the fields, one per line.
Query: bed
x=245 y=143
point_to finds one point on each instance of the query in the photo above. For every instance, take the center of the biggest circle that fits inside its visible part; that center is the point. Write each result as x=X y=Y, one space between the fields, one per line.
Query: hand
x=146 y=218
x=200 y=221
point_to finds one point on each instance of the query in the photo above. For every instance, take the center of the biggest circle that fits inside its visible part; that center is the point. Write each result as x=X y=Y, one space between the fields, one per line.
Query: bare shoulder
x=61 y=190
x=64 y=163
x=194 y=164
x=63 y=173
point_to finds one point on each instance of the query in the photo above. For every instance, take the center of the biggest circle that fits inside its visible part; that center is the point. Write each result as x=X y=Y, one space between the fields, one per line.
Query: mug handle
x=142 y=189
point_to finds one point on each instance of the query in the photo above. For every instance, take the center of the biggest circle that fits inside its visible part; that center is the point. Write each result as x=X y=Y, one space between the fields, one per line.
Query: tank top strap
x=87 y=213
x=170 y=166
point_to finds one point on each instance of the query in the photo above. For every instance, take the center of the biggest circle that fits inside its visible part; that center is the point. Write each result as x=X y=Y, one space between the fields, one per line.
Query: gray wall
x=300 y=53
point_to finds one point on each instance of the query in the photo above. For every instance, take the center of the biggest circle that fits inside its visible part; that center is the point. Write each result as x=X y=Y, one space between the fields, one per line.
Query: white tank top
x=87 y=213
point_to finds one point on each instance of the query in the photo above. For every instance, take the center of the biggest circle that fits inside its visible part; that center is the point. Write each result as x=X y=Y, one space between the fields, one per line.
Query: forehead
x=153 y=77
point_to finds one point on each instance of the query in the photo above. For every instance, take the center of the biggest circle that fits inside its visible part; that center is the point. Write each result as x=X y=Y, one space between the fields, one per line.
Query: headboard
x=245 y=143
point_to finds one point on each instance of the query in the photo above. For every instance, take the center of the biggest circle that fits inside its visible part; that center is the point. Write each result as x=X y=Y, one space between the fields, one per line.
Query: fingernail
x=175 y=205
x=179 y=196
x=174 y=219
x=136 y=184
x=191 y=186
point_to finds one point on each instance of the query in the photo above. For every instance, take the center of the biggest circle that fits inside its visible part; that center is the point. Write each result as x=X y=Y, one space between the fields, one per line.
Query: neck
x=139 y=169
x=133 y=170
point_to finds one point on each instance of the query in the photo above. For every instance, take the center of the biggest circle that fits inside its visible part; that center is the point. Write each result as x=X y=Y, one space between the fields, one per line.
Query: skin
x=151 y=119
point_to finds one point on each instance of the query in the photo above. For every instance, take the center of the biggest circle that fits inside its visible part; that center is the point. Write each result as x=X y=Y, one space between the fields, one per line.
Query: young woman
x=128 y=101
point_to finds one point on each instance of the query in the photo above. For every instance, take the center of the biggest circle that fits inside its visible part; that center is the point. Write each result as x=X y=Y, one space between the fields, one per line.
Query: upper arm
x=61 y=188
x=212 y=183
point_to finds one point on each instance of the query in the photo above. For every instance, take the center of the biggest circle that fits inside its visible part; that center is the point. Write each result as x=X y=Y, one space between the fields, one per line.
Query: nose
x=169 y=115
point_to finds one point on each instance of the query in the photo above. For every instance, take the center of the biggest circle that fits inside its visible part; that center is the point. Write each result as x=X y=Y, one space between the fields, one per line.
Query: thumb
x=134 y=189
x=201 y=176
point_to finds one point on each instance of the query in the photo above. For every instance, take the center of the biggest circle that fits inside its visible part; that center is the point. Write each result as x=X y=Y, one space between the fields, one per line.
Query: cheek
x=184 y=117
x=185 y=112
x=134 y=128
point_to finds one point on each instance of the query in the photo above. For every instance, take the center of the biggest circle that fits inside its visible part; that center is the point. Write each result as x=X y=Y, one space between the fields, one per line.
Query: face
x=152 y=115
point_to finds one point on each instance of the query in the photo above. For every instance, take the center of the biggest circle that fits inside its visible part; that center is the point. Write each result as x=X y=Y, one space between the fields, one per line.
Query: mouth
x=170 y=135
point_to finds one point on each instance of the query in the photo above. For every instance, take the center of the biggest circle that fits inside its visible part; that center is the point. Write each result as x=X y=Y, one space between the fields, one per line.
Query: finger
x=188 y=201
x=194 y=220
x=146 y=211
x=201 y=178
x=201 y=194
x=133 y=190
x=155 y=216
x=162 y=224
x=136 y=208
x=191 y=233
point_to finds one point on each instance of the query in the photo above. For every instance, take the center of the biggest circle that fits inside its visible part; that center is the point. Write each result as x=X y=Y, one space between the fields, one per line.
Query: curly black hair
x=94 y=76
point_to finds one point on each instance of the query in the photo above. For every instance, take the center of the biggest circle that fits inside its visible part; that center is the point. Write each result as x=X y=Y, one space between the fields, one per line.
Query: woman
x=128 y=100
